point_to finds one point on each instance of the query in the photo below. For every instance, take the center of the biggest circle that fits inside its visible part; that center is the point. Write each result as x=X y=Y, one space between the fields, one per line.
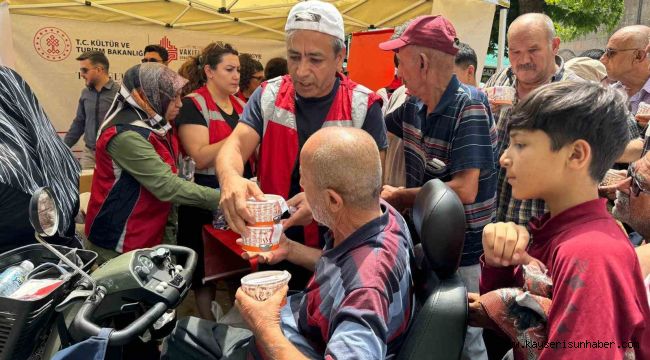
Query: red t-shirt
x=598 y=292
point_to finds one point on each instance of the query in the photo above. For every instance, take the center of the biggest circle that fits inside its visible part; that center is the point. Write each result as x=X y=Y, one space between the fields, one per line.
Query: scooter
x=135 y=293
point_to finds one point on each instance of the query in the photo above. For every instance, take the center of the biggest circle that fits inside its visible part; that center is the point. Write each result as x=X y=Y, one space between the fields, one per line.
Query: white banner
x=7 y=48
x=46 y=49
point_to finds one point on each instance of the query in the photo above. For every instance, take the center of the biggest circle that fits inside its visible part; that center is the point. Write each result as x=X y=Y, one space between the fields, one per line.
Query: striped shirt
x=458 y=135
x=509 y=208
x=358 y=303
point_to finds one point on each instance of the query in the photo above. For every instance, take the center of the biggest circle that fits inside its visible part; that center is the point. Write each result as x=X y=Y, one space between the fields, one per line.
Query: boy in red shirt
x=563 y=138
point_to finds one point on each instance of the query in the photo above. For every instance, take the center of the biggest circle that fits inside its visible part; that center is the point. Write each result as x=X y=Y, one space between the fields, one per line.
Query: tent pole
x=354 y=6
x=232 y=4
x=125 y=13
x=210 y=10
x=356 y=21
x=115 y=2
x=208 y=22
x=187 y=8
x=41 y=6
x=399 y=13
x=503 y=18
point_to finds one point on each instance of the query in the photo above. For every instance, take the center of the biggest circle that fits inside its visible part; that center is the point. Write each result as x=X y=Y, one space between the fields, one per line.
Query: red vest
x=218 y=128
x=123 y=215
x=279 y=147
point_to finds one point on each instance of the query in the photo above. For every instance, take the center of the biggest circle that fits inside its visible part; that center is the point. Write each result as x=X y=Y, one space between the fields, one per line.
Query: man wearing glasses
x=627 y=62
x=96 y=98
x=155 y=53
x=632 y=207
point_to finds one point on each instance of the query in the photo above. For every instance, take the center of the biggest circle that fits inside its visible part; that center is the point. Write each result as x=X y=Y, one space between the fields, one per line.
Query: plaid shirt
x=508 y=208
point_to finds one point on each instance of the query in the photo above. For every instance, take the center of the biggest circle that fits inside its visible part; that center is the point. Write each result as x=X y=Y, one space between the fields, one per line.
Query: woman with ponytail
x=209 y=113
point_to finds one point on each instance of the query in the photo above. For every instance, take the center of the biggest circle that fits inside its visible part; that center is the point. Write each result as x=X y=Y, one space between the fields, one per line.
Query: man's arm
x=136 y=156
x=263 y=318
x=360 y=326
x=77 y=127
x=290 y=250
x=632 y=152
x=464 y=184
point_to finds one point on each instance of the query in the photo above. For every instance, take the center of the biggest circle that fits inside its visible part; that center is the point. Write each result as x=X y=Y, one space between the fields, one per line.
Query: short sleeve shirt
x=310 y=116
x=458 y=135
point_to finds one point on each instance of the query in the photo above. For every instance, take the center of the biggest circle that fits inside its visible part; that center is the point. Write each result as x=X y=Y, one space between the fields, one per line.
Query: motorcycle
x=129 y=300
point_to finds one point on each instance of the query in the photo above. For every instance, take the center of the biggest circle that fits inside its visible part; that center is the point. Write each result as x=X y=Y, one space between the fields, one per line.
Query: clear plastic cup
x=643 y=113
x=267 y=212
x=262 y=239
x=262 y=284
x=501 y=95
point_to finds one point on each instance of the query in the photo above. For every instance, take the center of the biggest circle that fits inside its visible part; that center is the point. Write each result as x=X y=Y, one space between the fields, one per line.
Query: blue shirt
x=458 y=135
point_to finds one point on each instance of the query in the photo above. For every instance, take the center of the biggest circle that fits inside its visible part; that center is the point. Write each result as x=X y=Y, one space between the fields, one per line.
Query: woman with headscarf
x=31 y=156
x=135 y=181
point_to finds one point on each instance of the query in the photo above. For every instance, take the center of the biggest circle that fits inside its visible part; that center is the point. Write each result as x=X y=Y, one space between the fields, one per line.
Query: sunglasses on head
x=145 y=60
x=635 y=186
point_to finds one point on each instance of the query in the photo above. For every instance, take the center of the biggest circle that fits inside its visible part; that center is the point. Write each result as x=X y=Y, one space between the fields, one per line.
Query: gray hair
x=349 y=164
x=539 y=19
x=337 y=44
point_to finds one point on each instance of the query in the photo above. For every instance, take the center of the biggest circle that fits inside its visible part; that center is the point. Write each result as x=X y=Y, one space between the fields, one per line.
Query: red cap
x=430 y=31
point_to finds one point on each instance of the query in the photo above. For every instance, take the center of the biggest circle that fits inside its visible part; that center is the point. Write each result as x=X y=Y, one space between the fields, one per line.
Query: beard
x=321 y=215
x=621 y=210
x=636 y=219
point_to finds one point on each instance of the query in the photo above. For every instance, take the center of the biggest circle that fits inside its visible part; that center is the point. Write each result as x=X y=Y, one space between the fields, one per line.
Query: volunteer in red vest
x=135 y=181
x=206 y=119
x=282 y=114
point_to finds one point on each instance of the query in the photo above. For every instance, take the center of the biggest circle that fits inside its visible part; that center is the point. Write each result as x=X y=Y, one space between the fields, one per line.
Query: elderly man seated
x=358 y=303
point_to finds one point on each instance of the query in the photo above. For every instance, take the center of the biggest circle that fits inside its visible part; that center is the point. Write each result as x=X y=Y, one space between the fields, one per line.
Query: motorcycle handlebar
x=190 y=259
x=84 y=324
x=83 y=321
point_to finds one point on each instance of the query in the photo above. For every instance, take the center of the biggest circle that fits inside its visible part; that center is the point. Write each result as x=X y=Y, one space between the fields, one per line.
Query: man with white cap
x=284 y=112
x=449 y=134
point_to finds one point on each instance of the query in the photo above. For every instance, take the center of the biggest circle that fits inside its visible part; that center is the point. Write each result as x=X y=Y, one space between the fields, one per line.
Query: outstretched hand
x=269 y=257
x=234 y=193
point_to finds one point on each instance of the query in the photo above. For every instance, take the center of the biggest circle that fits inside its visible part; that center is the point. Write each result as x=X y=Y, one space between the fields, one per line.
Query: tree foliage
x=572 y=18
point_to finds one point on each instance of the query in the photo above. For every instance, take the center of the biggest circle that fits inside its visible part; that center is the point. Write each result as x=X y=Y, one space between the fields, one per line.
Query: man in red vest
x=284 y=112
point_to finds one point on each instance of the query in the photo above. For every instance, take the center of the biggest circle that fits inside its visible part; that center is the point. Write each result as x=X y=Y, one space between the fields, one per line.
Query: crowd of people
x=172 y=149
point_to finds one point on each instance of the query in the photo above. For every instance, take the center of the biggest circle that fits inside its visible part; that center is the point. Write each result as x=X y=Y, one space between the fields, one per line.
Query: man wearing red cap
x=449 y=134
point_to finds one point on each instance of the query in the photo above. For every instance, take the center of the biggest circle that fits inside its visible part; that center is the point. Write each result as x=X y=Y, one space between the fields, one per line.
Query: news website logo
x=52 y=44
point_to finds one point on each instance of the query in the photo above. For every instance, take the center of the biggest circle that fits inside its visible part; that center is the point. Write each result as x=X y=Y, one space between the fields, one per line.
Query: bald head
x=632 y=37
x=533 y=22
x=345 y=160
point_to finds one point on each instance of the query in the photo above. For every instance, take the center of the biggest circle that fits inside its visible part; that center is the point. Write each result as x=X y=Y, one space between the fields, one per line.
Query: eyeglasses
x=610 y=52
x=86 y=70
x=635 y=186
x=145 y=60
x=258 y=78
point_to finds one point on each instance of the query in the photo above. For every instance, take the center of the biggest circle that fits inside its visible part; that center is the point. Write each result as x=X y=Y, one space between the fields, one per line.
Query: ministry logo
x=171 y=49
x=52 y=44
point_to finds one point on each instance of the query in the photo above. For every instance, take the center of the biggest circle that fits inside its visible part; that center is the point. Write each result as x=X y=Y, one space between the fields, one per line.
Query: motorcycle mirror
x=44 y=217
x=43 y=213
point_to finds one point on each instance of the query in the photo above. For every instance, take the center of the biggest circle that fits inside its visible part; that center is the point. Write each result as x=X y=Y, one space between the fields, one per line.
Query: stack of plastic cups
x=264 y=234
